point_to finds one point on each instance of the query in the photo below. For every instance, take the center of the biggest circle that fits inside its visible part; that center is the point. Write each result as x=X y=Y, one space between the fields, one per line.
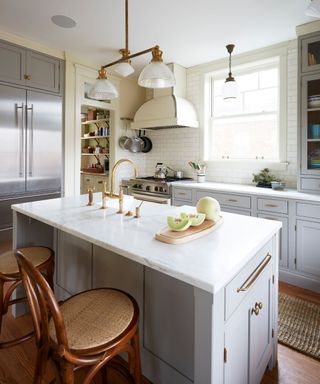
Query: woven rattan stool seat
x=37 y=256
x=95 y=317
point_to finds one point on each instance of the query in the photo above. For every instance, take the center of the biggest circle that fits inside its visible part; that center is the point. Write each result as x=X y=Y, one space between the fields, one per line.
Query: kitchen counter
x=194 y=298
x=207 y=263
x=251 y=189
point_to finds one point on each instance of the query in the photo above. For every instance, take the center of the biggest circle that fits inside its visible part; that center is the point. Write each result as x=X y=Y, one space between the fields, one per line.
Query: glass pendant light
x=103 y=89
x=230 y=87
x=124 y=68
x=313 y=9
x=156 y=74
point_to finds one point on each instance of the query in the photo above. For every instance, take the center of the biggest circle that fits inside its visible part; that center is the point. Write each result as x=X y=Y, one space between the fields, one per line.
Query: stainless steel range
x=151 y=188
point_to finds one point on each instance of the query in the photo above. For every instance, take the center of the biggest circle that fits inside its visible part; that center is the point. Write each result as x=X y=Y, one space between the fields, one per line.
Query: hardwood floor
x=16 y=364
x=294 y=367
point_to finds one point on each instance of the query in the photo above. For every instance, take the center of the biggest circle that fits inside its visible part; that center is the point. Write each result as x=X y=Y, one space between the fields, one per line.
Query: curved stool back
x=43 y=259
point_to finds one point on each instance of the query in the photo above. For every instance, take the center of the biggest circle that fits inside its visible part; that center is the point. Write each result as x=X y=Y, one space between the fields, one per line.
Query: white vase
x=201 y=177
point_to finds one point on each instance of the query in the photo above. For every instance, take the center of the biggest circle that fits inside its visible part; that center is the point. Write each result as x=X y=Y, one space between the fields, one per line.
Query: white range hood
x=167 y=108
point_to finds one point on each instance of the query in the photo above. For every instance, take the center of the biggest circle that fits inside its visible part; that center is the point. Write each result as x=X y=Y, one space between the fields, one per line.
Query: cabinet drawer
x=272 y=205
x=308 y=210
x=242 y=284
x=310 y=184
x=179 y=203
x=239 y=201
x=183 y=194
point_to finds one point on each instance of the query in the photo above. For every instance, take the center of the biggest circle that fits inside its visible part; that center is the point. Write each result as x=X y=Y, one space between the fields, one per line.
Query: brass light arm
x=156 y=48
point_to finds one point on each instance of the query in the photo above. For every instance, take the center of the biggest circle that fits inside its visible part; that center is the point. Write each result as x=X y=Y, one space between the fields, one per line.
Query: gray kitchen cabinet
x=284 y=237
x=275 y=209
x=310 y=52
x=229 y=202
x=248 y=332
x=42 y=72
x=12 y=59
x=309 y=113
x=28 y=68
x=308 y=246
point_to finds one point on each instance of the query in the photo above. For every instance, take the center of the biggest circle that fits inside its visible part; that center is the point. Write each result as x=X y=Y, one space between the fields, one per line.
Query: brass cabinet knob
x=257 y=308
x=27 y=77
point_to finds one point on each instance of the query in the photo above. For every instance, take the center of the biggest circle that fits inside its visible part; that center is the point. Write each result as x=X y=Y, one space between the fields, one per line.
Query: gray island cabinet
x=208 y=308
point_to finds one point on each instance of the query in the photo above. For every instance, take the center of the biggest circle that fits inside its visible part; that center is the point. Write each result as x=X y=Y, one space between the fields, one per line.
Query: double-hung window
x=248 y=127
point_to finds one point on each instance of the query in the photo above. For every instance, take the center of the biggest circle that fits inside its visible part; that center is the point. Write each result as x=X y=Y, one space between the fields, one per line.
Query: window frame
x=239 y=63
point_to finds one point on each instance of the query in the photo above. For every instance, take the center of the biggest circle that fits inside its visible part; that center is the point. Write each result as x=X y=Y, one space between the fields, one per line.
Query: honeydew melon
x=178 y=224
x=195 y=218
x=210 y=207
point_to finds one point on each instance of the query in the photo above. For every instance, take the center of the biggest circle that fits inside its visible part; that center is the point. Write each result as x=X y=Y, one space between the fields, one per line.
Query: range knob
x=156 y=189
x=160 y=189
x=140 y=186
x=148 y=188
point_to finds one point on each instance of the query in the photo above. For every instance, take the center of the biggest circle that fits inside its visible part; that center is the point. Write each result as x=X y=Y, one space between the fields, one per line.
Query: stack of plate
x=314 y=163
x=314 y=101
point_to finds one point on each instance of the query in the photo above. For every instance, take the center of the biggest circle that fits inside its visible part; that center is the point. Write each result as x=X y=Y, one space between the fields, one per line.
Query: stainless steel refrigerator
x=30 y=149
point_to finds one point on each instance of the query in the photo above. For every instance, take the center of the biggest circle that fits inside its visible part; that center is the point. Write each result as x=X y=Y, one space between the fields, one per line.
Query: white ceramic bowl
x=314 y=103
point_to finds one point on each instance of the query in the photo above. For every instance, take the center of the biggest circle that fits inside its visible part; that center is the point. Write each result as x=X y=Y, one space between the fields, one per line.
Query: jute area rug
x=299 y=325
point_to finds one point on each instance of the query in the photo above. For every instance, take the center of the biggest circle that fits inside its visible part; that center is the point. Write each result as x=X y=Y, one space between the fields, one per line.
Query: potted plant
x=200 y=168
x=263 y=178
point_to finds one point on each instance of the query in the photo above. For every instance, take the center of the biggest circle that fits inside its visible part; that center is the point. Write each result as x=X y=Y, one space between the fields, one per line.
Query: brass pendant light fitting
x=230 y=48
x=164 y=77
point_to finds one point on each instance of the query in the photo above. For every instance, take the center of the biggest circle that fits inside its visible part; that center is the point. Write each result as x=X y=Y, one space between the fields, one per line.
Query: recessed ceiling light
x=63 y=21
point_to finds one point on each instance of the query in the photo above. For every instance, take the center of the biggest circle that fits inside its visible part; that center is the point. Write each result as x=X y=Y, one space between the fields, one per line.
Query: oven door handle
x=151 y=199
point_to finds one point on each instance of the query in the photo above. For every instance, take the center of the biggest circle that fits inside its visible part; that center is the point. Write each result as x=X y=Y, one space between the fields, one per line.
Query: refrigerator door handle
x=30 y=145
x=21 y=139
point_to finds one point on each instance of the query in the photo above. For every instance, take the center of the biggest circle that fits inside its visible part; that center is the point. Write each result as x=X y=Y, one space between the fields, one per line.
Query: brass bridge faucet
x=113 y=173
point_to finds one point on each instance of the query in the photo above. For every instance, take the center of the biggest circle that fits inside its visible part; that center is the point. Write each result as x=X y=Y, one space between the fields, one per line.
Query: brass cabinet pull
x=271 y=205
x=257 y=308
x=181 y=193
x=255 y=274
x=27 y=77
x=233 y=200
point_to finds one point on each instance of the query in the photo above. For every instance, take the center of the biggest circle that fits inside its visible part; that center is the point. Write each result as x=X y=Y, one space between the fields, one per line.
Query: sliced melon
x=195 y=218
x=177 y=224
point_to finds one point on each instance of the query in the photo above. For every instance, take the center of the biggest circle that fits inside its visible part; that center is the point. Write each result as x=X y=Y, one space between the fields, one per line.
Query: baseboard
x=306 y=282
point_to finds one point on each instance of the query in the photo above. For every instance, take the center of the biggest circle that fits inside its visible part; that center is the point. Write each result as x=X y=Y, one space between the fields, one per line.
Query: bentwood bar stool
x=88 y=329
x=42 y=259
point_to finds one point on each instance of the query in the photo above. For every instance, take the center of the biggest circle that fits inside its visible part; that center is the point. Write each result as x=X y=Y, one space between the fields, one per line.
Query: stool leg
x=1 y=302
x=137 y=363
x=67 y=373
x=50 y=272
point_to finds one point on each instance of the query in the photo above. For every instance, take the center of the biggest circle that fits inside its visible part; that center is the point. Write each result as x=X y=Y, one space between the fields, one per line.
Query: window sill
x=248 y=164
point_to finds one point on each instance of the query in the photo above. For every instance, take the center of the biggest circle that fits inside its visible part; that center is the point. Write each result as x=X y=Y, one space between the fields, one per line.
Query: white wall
x=176 y=147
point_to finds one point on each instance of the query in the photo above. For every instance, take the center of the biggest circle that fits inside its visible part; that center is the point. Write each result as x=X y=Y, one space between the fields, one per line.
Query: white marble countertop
x=207 y=263
x=248 y=189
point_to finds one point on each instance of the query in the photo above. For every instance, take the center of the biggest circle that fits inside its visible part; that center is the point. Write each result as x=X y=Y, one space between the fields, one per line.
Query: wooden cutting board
x=166 y=235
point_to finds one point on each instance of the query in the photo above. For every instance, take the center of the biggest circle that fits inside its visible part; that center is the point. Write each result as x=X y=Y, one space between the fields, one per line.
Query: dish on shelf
x=314 y=103
x=278 y=185
x=314 y=131
x=314 y=163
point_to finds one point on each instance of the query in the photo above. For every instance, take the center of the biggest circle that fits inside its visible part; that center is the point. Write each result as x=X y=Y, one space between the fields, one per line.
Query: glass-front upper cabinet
x=310 y=130
x=310 y=53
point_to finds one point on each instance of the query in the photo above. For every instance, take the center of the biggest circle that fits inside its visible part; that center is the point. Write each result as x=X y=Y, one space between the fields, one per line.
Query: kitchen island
x=208 y=308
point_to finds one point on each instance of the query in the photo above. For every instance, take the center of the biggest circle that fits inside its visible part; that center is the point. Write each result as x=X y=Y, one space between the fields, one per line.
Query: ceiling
x=188 y=32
